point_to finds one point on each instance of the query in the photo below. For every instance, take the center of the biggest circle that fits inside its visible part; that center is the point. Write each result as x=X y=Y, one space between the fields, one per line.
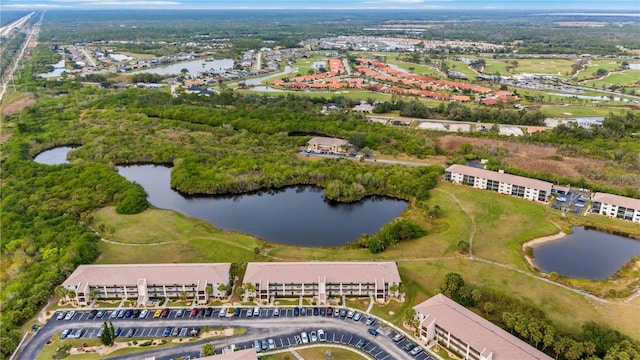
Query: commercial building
x=247 y=354
x=333 y=145
x=530 y=189
x=321 y=280
x=461 y=330
x=145 y=281
x=616 y=206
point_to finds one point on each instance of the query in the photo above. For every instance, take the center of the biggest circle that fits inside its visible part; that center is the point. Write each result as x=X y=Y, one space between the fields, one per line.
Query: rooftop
x=502 y=177
x=476 y=331
x=247 y=354
x=328 y=141
x=611 y=199
x=128 y=274
x=309 y=272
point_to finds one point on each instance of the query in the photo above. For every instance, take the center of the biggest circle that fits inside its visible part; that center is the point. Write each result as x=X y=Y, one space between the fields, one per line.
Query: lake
x=586 y=254
x=58 y=69
x=55 y=156
x=194 y=67
x=293 y=215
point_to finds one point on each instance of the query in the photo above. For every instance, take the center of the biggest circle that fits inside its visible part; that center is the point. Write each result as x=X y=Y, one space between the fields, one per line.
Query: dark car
x=208 y=312
x=303 y=311
x=201 y=312
x=409 y=346
x=373 y=331
x=135 y=313
x=194 y=312
x=236 y=312
x=127 y=314
x=92 y=314
x=316 y=311
x=343 y=312
x=329 y=311
x=296 y=311
x=370 y=321
x=165 y=313
x=323 y=312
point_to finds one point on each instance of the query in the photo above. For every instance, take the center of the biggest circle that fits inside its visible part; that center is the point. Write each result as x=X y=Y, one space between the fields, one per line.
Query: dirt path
x=473 y=221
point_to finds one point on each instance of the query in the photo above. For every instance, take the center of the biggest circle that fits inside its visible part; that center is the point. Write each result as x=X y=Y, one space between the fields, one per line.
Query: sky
x=625 y=6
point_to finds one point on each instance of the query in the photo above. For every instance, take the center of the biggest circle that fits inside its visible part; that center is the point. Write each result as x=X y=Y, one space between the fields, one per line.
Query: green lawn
x=416 y=68
x=623 y=78
x=594 y=65
x=543 y=66
x=578 y=110
x=462 y=67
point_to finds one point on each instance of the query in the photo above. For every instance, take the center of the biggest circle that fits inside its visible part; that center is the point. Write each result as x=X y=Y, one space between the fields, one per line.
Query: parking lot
x=571 y=201
x=285 y=329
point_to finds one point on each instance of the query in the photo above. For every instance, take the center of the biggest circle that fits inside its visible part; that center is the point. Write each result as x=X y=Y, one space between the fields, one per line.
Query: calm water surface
x=294 y=215
x=194 y=67
x=587 y=254
x=55 y=156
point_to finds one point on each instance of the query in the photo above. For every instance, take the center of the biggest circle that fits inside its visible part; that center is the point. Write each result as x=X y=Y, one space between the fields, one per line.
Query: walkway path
x=473 y=221
x=295 y=353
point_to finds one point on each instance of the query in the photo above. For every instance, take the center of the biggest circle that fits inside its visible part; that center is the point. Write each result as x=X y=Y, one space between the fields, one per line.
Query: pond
x=55 y=156
x=586 y=254
x=58 y=69
x=194 y=67
x=294 y=215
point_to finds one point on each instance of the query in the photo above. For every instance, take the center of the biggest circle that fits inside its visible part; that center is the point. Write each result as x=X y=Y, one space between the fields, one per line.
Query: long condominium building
x=145 y=281
x=616 y=206
x=473 y=337
x=530 y=189
x=321 y=280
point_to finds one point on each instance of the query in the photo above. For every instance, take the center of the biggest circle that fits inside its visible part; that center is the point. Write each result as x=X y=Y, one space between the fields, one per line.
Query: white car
x=322 y=336
x=249 y=313
x=256 y=311
x=305 y=339
x=143 y=314
x=276 y=312
x=272 y=344
x=70 y=315
x=312 y=337
x=60 y=315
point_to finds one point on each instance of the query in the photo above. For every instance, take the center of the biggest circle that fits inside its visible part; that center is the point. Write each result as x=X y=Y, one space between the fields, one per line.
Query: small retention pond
x=586 y=254
x=294 y=215
x=55 y=156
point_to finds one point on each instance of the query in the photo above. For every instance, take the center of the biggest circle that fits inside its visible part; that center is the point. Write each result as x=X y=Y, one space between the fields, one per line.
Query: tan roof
x=328 y=141
x=335 y=272
x=155 y=274
x=502 y=177
x=627 y=202
x=476 y=331
x=247 y=354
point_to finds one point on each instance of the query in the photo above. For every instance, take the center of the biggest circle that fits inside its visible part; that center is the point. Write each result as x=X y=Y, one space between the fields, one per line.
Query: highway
x=6 y=30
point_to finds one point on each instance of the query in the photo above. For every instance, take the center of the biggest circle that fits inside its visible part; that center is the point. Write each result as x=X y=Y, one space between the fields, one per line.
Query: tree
x=208 y=349
x=463 y=247
x=488 y=307
x=60 y=291
x=328 y=354
x=107 y=337
x=366 y=152
x=454 y=287
x=209 y=289
x=256 y=251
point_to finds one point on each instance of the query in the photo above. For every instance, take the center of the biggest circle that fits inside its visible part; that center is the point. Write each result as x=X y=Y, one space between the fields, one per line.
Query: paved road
x=283 y=329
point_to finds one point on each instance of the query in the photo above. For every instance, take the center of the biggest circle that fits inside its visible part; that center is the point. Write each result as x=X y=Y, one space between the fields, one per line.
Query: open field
x=594 y=65
x=543 y=66
x=623 y=78
x=422 y=262
x=579 y=110
x=416 y=68
x=462 y=67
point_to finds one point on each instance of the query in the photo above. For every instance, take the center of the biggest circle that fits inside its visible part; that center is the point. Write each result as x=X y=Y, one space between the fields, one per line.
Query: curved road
x=257 y=328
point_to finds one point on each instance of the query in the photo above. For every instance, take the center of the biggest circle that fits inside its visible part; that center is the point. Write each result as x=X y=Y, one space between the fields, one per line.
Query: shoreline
x=538 y=241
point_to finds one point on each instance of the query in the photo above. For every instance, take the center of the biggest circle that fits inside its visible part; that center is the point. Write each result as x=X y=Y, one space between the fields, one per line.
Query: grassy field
x=317 y=353
x=594 y=65
x=502 y=224
x=578 y=110
x=48 y=351
x=416 y=68
x=462 y=67
x=543 y=66
x=623 y=78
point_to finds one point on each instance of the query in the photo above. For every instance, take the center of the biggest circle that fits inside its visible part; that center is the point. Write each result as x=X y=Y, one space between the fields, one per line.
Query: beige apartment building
x=470 y=335
x=500 y=182
x=333 y=145
x=321 y=280
x=142 y=282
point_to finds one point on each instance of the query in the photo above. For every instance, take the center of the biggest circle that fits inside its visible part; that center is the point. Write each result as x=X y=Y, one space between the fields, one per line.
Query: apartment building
x=321 y=280
x=616 y=206
x=142 y=282
x=498 y=181
x=471 y=336
x=333 y=145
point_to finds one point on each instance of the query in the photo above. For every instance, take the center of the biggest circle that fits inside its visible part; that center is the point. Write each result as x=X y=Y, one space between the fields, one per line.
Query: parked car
x=237 y=311
x=415 y=351
x=194 y=312
x=180 y=313
x=61 y=315
x=329 y=311
x=264 y=345
x=256 y=345
x=372 y=331
x=165 y=313
x=135 y=313
x=296 y=311
x=272 y=344
x=70 y=315
x=65 y=333
x=316 y=311
x=201 y=312
x=222 y=312
x=121 y=314
x=361 y=343
x=357 y=316
x=350 y=314
x=249 y=312
x=343 y=312
x=276 y=312
x=322 y=337
x=167 y=331
x=157 y=313
x=208 y=311
x=143 y=314
x=127 y=314
x=256 y=311
x=92 y=314
x=398 y=337
x=303 y=311
x=100 y=314
x=114 y=314
x=175 y=331
x=304 y=338
x=313 y=337
x=409 y=346
x=370 y=321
